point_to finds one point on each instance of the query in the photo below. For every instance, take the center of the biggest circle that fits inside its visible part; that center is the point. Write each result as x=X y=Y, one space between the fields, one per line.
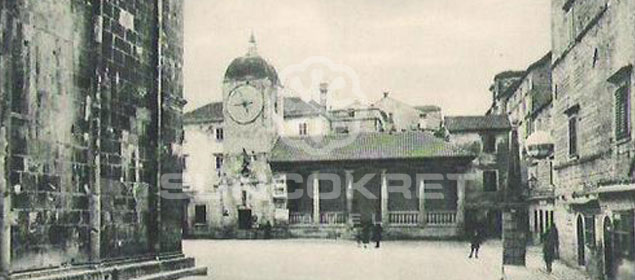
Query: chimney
x=324 y=88
x=386 y=93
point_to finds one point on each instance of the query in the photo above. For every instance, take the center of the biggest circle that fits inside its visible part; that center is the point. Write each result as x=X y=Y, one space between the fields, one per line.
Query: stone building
x=90 y=120
x=430 y=117
x=488 y=138
x=592 y=58
x=499 y=89
x=227 y=148
x=412 y=182
x=527 y=103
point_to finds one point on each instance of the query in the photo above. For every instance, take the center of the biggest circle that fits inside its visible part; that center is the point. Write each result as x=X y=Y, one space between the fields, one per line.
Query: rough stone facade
x=483 y=203
x=593 y=53
x=91 y=116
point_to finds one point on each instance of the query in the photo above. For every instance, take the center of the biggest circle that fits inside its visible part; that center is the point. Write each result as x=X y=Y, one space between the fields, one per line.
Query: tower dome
x=251 y=66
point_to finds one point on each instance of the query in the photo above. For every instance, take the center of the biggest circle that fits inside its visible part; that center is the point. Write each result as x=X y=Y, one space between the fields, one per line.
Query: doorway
x=608 y=249
x=581 y=242
x=244 y=218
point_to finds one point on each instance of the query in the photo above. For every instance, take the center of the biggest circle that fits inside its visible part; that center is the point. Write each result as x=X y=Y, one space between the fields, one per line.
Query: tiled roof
x=366 y=146
x=296 y=107
x=476 y=123
x=212 y=112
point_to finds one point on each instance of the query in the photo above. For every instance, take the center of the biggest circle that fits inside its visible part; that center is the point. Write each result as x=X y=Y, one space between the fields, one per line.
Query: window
x=573 y=135
x=490 y=181
x=219 y=161
x=303 y=129
x=219 y=134
x=622 y=113
x=489 y=143
x=200 y=214
x=244 y=198
x=351 y=113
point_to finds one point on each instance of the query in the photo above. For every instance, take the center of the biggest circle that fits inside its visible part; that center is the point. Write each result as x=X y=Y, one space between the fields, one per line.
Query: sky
x=441 y=52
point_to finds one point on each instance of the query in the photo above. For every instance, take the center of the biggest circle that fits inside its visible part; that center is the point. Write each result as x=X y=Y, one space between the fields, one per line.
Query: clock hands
x=245 y=104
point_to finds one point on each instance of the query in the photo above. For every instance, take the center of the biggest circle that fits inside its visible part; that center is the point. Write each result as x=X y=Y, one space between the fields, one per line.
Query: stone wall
x=585 y=56
x=81 y=111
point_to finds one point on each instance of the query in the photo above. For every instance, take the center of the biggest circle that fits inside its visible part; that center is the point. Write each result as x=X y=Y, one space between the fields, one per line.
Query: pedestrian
x=475 y=243
x=267 y=228
x=549 y=248
x=377 y=231
x=556 y=240
x=365 y=234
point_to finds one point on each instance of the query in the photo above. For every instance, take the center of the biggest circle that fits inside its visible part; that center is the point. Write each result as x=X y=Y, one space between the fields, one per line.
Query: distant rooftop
x=476 y=123
x=212 y=112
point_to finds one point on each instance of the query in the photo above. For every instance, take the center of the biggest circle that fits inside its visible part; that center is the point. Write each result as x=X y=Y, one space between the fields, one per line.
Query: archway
x=580 y=233
x=608 y=249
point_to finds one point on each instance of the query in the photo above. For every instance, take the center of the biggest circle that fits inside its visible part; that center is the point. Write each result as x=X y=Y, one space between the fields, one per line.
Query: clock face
x=245 y=104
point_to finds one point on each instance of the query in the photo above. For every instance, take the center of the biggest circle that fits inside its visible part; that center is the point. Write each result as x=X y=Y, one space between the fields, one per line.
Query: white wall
x=199 y=147
x=317 y=125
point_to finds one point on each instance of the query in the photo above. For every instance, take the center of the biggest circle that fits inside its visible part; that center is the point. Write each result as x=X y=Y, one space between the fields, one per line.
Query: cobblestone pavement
x=340 y=259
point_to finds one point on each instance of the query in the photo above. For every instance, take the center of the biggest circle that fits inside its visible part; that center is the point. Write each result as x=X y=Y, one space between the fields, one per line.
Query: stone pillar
x=460 y=204
x=422 y=202
x=5 y=207
x=384 y=198
x=316 y=197
x=349 y=195
x=514 y=237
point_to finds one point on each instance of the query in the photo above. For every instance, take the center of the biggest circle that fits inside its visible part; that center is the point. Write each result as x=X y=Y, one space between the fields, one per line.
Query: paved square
x=307 y=259
x=341 y=259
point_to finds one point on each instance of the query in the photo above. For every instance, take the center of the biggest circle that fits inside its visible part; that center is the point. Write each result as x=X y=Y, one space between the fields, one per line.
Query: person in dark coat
x=549 y=248
x=475 y=243
x=267 y=229
x=377 y=231
x=366 y=234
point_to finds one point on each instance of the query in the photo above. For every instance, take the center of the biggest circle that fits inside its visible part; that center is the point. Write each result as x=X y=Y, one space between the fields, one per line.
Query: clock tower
x=250 y=97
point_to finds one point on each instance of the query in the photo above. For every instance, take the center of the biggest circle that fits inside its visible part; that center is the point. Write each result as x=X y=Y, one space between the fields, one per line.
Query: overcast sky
x=442 y=52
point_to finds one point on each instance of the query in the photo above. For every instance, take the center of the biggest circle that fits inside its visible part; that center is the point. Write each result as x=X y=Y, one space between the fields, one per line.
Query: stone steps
x=161 y=268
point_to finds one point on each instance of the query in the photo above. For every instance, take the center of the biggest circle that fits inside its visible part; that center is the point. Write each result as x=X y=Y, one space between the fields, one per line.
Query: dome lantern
x=251 y=66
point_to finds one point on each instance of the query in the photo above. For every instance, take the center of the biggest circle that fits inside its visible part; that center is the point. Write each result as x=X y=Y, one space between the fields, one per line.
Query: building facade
x=488 y=138
x=230 y=181
x=89 y=121
x=413 y=183
x=593 y=43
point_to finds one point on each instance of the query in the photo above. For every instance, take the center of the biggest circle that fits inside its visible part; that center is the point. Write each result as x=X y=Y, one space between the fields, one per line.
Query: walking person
x=549 y=248
x=365 y=234
x=475 y=243
x=377 y=231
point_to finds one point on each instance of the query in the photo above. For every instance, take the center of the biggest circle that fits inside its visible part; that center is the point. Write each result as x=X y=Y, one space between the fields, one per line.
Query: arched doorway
x=580 y=233
x=608 y=249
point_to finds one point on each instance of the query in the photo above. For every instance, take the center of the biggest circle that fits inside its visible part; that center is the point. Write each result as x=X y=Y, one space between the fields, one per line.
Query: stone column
x=316 y=197
x=460 y=204
x=422 y=202
x=5 y=207
x=349 y=195
x=384 y=198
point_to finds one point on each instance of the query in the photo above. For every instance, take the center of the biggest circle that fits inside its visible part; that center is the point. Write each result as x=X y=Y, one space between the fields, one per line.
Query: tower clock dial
x=245 y=104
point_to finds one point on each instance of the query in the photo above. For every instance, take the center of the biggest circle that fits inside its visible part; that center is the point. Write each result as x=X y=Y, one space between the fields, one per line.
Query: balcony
x=332 y=218
x=441 y=218
x=403 y=218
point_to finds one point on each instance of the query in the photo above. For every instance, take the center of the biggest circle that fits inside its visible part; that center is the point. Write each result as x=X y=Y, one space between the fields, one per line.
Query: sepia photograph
x=317 y=139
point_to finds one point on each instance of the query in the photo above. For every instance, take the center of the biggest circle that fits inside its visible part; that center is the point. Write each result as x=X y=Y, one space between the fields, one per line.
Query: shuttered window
x=200 y=214
x=622 y=113
x=573 y=135
x=490 y=181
